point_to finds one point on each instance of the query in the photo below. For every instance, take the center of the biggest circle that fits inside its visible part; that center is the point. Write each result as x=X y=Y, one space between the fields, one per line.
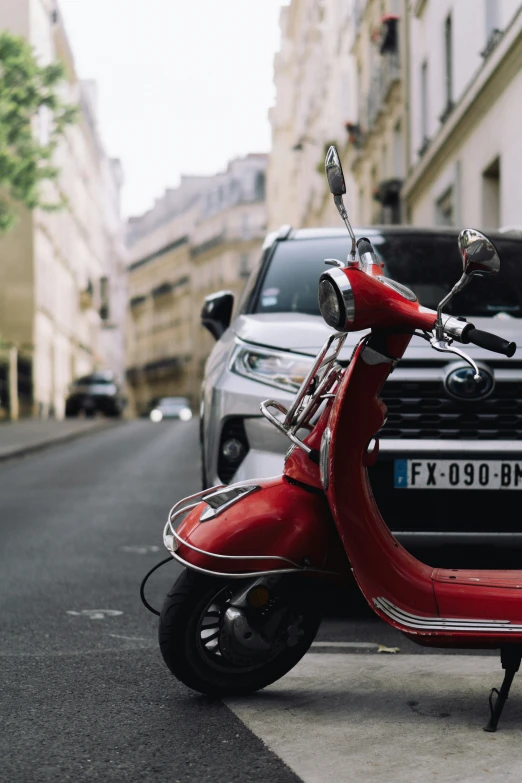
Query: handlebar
x=491 y=342
x=364 y=246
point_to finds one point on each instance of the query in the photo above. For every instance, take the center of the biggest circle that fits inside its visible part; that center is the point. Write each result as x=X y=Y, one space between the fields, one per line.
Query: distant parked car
x=170 y=408
x=95 y=393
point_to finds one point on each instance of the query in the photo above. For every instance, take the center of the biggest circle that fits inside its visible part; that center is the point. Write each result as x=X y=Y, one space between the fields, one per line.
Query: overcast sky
x=183 y=85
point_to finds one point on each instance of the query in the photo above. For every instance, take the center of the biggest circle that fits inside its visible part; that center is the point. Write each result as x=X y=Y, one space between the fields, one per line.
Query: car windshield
x=429 y=264
x=173 y=401
x=93 y=379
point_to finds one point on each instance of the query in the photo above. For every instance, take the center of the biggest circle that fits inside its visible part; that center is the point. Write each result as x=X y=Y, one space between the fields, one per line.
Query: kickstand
x=510 y=657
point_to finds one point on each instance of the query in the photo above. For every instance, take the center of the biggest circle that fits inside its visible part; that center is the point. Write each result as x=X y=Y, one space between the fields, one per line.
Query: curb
x=30 y=448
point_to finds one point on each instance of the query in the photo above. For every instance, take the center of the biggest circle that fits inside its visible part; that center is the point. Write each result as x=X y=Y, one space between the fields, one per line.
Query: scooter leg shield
x=279 y=526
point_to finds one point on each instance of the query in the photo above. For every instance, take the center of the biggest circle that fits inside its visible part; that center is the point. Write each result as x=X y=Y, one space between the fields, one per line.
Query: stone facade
x=465 y=161
x=200 y=238
x=421 y=98
x=62 y=293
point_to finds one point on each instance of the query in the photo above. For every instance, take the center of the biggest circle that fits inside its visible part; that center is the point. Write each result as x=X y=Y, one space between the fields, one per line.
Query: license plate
x=456 y=474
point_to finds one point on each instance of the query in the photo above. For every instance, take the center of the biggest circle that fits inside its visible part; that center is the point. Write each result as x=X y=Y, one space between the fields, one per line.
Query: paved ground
x=86 y=696
x=29 y=435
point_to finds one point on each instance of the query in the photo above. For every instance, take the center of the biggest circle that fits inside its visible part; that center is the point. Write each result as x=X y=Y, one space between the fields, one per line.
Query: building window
x=104 y=298
x=445 y=209
x=244 y=270
x=424 y=107
x=398 y=151
x=491 y=195
x=260 y=186
x=448 y=67
x=493 y=32
x=245 y=227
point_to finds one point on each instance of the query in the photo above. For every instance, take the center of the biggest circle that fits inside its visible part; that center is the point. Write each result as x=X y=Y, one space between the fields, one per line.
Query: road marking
x=128 y=638
x=349 y=717
x=141 y=550
x=95 y=614
x=353 y=645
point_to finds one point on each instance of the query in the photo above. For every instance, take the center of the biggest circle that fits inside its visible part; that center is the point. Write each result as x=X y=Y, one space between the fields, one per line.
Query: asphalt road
x=87 y=699
x=85 y=694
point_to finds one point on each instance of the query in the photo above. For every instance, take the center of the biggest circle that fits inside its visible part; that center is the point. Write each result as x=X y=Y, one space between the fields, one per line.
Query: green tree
x=28 y=90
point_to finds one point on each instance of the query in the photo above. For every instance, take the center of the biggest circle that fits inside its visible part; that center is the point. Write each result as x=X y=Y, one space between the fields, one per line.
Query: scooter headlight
x=336 y=301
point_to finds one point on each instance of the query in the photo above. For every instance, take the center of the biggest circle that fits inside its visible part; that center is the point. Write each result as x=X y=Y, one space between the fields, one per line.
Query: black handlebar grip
x=491 y=342
x=364 y=246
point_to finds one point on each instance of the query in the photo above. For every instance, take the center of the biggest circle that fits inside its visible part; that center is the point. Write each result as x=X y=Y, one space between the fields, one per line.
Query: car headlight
x=336 y=301
x=185 y=414
x=283 y=370
x=156 y=415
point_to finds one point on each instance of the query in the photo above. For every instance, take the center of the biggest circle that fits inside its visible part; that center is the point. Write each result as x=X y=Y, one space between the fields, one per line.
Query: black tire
x=182 y=648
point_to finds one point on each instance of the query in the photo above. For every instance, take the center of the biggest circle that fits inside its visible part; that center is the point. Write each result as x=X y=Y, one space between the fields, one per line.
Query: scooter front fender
x=281 y=526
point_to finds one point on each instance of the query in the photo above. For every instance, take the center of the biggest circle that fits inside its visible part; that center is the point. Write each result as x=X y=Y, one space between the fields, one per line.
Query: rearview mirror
x=479 y=256
x=334 y=172
x=479 y=259
x=217 y=312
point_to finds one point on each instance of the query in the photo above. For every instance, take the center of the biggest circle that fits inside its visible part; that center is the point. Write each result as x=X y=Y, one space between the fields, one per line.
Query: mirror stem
x=439 y=326
x=338 y=201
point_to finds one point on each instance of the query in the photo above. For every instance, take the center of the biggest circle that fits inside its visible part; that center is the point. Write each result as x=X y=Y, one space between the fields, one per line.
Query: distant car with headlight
x=170 y=408
x=447 y=439
x=94 y=394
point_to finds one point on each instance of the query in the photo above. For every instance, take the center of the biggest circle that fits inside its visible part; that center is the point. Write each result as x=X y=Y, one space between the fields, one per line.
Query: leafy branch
x=29 y=94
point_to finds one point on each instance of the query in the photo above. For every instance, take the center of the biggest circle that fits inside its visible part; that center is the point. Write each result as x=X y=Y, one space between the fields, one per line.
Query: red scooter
x=256 y=554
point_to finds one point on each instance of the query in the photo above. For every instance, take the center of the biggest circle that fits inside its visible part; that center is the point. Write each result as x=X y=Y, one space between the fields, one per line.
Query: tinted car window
x=93 y=379
x=428 y=264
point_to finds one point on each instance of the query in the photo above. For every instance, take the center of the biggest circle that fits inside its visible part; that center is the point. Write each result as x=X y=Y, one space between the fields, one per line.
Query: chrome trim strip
x=420 y=623
x=212 y=513
x=420 y=536
x=407 y=446
x=324 y=458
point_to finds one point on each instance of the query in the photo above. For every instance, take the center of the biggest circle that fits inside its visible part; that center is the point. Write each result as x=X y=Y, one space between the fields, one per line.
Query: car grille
x=423 y=409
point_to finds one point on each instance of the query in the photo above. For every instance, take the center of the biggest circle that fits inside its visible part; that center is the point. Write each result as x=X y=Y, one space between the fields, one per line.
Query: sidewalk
x=388 y=719
x=23 y=437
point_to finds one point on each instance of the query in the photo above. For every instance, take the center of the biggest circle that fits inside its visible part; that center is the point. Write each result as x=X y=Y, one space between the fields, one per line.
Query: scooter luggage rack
x=172 y=539
x=318 y=384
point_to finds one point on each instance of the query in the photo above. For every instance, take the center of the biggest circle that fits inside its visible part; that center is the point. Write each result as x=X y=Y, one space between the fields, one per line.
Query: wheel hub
x=242 y=643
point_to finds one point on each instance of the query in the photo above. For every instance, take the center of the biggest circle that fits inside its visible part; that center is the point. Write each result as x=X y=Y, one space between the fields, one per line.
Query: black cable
x=144 y=582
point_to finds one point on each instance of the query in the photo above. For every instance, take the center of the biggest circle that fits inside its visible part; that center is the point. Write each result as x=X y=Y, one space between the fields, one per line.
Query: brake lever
x=444 y=346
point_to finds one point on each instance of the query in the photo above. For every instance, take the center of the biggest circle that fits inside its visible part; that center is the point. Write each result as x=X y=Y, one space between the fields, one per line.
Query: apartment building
x=199 y=238
x=376 y=154
x=421 y=98
x=315 y=88
x=62 y=274
x=465 y=84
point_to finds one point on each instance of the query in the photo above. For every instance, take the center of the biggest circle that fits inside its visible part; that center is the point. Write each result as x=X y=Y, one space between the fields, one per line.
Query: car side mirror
x=217 y=312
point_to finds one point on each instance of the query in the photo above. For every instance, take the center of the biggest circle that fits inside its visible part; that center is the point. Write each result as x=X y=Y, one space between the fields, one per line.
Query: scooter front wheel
x=226 y=638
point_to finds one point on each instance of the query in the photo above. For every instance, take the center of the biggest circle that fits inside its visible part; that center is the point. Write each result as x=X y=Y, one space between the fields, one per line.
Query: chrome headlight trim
x=345 y=298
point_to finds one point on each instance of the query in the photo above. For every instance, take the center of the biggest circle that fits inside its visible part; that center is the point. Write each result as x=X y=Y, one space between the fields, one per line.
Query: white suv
x=434 y=412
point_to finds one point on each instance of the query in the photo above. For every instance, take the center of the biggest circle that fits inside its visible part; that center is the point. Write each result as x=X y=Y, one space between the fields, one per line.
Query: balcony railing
x=383 y=78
